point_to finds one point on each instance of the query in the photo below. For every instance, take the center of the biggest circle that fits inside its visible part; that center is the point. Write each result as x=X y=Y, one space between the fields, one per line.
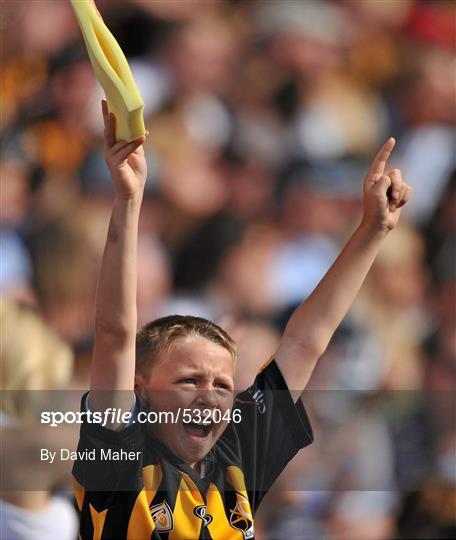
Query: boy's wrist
x=132 y=199
x=372 y=232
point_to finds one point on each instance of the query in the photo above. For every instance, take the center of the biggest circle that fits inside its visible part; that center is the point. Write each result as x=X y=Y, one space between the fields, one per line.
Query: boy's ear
x=139 y=383
x=140 y=390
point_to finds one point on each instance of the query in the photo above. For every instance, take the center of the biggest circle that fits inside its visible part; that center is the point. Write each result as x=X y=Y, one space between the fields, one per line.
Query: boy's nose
x=206 y=398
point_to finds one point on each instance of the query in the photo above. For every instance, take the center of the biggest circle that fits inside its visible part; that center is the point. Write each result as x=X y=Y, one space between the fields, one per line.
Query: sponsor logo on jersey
x=201 y=512
x=241 y=518
x=162 y=516
x=258 y=397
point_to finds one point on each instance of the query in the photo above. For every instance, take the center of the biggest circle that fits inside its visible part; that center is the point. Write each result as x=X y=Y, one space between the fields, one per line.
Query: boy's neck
x=200 y=468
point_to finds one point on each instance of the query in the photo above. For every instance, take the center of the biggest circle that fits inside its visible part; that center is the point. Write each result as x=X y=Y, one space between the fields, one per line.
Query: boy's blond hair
x=160 y=334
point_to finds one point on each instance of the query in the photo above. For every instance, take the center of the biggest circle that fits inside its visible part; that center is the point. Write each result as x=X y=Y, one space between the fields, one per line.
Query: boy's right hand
x=126 y=161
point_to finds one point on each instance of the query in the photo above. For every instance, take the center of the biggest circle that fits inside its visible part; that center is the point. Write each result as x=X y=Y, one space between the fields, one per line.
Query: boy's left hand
x=384 y=193
x=125 y=160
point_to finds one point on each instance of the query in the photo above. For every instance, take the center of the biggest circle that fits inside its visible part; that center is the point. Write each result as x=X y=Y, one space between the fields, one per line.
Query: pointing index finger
x=104 y=110
x=109 y=124
x=379 y=162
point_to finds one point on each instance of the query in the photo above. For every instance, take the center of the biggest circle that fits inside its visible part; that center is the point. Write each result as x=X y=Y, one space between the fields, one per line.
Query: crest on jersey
x=162 y=516
x=201 y=512
x=241 y=517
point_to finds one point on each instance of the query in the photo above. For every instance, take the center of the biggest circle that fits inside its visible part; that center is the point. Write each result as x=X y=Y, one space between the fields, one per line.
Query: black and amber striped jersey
x=159 y=497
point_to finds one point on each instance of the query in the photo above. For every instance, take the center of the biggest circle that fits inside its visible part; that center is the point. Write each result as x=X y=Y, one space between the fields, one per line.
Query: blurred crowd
x=263 y=116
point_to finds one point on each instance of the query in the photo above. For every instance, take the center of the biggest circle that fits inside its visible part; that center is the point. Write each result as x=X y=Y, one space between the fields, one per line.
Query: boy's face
x=198 y=375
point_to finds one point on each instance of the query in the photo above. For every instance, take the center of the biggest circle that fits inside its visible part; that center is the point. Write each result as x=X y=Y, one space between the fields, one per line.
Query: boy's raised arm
x=113 y=360
x=313 y=323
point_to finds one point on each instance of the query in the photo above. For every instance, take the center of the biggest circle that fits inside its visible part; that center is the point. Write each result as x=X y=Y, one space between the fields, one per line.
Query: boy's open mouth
x=200 y=430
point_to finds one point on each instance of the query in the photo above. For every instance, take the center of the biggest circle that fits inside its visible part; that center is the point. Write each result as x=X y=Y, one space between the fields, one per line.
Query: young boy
x=201 y=471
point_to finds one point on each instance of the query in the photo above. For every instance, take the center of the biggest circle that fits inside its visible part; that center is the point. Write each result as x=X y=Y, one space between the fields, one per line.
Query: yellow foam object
x=112 y=71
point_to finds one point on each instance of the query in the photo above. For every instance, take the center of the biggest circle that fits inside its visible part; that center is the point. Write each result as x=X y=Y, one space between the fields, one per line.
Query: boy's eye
x=223 y=386
x=188 y=380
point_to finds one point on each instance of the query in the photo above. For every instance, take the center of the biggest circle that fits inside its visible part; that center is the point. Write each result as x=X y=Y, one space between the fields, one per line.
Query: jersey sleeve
x=272 y=430
x=108 y=460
